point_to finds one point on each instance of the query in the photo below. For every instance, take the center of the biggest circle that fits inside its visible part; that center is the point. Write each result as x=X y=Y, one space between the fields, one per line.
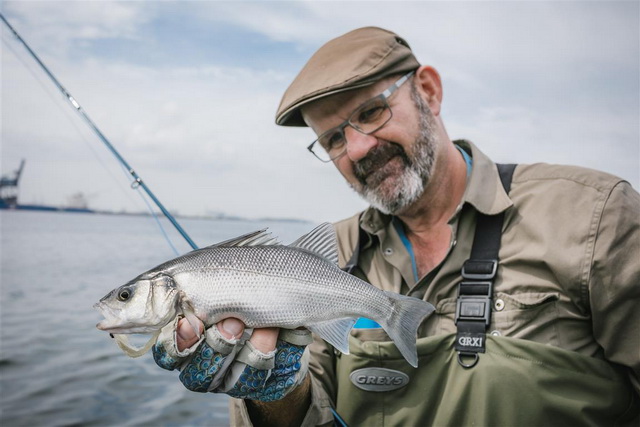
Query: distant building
x=9 y=189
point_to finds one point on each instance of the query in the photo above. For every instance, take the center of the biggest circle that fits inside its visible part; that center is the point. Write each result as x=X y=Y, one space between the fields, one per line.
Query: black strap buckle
x=479 y=269
x=473 y=308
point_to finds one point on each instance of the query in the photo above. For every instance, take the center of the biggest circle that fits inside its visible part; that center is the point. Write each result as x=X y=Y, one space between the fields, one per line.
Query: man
x=536 y=317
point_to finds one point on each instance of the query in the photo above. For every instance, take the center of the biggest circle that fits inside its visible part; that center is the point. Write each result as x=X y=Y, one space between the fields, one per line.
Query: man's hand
x=264 y=368
x=263 y=339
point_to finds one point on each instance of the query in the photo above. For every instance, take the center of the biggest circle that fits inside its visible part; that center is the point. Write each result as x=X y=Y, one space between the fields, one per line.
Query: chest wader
x=502 y=382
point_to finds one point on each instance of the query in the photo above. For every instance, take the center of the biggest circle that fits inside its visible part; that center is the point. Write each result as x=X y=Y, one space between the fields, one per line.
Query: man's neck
x=426 y=222
x=441 y=197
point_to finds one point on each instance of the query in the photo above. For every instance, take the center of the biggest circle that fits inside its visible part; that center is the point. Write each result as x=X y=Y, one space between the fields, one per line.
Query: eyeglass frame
x=384 y=96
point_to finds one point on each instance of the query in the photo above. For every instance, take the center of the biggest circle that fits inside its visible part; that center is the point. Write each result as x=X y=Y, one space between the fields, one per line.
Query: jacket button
x=496 y=333
x=499 y=305
x=388 y=251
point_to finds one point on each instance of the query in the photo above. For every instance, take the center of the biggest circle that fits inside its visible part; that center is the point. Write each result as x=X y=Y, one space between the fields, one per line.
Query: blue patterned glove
x=235 y=367
x=248 y=382
x=202 y=368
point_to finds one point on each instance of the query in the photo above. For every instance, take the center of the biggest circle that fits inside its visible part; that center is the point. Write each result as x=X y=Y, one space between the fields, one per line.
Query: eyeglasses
x=366 y=119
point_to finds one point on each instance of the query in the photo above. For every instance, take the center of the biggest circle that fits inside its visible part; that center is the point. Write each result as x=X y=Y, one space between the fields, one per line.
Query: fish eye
x=124 y=294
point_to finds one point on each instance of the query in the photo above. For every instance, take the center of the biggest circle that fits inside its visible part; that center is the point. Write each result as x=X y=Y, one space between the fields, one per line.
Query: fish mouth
x=104 y=309
x=110 y=323
x=104 y=327
x=115 y=325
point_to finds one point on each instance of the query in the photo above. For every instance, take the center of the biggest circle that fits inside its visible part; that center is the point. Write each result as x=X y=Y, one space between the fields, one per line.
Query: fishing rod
x=137 y=180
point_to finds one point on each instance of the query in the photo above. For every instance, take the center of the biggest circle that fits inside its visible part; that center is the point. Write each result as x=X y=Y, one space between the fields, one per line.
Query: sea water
x=56 y=368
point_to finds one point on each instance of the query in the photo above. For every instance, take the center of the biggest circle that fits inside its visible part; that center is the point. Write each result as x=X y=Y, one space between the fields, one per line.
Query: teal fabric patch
x=364 y=323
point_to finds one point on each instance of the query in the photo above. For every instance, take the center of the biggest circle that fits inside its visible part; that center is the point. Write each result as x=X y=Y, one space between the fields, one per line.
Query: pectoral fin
x=335 y=332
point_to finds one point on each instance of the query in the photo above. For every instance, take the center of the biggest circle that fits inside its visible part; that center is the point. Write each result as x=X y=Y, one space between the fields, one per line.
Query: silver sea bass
x=265 y=284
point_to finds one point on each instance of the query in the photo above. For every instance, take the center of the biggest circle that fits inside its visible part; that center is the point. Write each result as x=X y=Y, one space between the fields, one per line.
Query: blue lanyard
x=400 y=227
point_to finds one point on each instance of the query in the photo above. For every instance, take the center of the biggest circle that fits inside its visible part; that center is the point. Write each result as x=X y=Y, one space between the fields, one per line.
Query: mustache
x=376 y=158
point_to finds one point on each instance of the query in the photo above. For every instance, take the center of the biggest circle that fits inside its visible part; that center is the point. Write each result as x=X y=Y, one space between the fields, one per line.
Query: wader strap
x=475 y=292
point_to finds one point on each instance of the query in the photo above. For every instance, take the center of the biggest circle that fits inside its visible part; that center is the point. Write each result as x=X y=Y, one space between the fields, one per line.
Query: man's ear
x=429 y=87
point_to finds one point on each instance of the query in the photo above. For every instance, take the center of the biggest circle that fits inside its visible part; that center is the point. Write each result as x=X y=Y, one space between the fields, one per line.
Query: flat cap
x=356 y=59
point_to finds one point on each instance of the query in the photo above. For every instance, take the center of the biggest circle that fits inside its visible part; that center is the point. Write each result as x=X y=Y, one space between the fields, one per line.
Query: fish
x=263 y=283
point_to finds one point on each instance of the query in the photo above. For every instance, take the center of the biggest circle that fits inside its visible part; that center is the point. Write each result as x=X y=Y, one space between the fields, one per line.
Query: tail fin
x=402 y=326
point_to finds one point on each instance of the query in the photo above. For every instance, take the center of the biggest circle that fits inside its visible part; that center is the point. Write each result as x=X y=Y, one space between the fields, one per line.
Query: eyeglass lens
x=367 y=119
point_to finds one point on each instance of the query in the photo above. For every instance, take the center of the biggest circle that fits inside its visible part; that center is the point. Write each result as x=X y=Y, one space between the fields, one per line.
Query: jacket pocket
x=532 y=316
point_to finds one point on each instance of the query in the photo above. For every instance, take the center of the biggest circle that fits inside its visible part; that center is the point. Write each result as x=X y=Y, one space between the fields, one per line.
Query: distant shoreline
x=218 y=217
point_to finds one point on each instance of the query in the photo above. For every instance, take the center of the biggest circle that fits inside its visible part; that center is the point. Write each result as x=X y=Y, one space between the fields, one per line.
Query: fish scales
x=284 y=278
x=265 y=284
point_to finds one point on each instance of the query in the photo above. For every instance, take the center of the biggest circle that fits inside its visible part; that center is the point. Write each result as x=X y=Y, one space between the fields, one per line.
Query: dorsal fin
x=321 y=240
x=256 y=238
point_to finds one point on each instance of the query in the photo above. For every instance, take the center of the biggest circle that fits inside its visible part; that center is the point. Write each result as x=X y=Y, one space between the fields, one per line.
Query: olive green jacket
x=566 y=294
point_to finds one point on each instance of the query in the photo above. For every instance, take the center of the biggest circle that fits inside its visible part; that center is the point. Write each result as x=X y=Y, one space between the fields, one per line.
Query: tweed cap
x=356 y=59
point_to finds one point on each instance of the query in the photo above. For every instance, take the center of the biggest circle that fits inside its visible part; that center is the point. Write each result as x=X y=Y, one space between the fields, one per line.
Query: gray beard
x=406 y=187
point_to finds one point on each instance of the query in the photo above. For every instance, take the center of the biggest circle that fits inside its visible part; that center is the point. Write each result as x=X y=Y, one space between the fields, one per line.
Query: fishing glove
x=235 y=367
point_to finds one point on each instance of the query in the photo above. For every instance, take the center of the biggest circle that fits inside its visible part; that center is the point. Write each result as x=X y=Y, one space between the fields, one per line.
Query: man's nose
x=358 y=144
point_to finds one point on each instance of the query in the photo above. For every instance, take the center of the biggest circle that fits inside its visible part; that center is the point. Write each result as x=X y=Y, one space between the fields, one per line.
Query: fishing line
x=84 y=139
x=137 y=180
x=155 y=217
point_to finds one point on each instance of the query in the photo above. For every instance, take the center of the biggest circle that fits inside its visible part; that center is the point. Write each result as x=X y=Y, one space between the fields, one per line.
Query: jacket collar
x=484 y=189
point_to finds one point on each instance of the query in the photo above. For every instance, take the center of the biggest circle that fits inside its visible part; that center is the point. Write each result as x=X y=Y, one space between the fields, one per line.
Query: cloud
x=187 y=92
x=203 y=138
x=56 y=27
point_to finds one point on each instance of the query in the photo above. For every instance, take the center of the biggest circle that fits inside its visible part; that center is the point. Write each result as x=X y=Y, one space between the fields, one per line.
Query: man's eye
x=370 y=114
x=334 y=141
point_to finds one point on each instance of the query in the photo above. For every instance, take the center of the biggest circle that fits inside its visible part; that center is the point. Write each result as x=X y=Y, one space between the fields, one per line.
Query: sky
x=187 y=93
